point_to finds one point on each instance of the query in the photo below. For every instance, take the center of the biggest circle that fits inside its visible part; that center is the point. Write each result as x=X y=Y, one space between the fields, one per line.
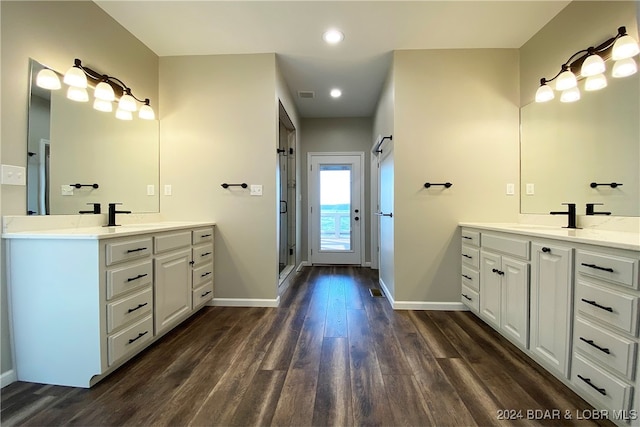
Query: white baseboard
x=421 y=305
x=367 y=264
x=244 y=302
x=7 y=378
x=302 y=265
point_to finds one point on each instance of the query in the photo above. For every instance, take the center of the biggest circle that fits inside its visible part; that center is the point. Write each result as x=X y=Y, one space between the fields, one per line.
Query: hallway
x=329 y=355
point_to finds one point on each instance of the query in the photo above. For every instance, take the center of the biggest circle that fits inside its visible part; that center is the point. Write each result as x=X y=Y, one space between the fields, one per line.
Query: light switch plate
x=151 y=190
x=167 y=189
x=256 y=190
x=511 y=189
x=14 y=175
x=530 y=189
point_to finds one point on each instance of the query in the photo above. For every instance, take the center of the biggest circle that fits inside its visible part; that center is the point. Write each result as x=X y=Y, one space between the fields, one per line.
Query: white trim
x=302 y=265
x=244 y=302
x=8 y=377
x=367 y=264
x=386 y=291
x=429 y=305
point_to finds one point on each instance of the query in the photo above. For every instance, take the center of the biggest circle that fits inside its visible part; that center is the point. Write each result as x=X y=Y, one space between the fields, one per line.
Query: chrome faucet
x=112 y=214
x=570 y=213
x=591 y=210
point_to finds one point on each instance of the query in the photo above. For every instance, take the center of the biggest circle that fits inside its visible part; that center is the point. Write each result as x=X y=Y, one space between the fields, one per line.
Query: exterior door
x=336 y=208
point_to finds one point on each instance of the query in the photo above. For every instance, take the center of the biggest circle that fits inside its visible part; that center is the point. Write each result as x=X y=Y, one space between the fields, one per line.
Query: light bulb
x=592 y=65
x=75 y=77
x=333 y=36
x=123 y=115
x=596 y=82
x=102 y=105
x=336 y=93
x=127 y=103
x=624 y=67
x=48 y=79
x=566 y=80
x=624 y=47
x=77 y=94
x=104 y=91
x=570 y=95
x=146 y=113
x=544 y=93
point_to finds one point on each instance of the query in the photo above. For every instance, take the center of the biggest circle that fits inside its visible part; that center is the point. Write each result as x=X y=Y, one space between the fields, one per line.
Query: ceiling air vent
x=306 y=94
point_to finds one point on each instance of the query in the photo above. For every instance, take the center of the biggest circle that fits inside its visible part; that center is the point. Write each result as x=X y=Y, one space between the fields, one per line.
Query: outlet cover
x=511 y=189
x=256 y=190
x=14 y=175
x=151 y=190
x=530 y=189
x=167 y=190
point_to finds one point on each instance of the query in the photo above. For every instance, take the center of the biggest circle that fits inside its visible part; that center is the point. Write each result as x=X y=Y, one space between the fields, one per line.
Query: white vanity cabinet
x=202 y=272
x=470 y=253
x=551 y=290
x=84 y=301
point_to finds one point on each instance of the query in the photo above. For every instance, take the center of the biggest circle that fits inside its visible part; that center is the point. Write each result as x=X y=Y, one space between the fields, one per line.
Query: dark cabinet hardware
x=592 y=211
x=111 y=221
x=139 y=276
x=467 y=297
x=140 y=335
x=376 y=148
x=205 y=235
x=357 y=211
x=206 y=253
x=495 y=270
x=192 y=262
x=467 y=277
x=445 y=184
x=135 y=250
x=96 y=209
x=595 y=304
x=592 y=344
x=467 y=237
x=597 y=267
x=84 y=185
x=546 y=250
x=225 y=185
x=205 y=274
x=467 y=256
x=137 y=308
x=357 y=218
x=602 y=391
x=570 y=213
x=611 y=184
x=281 y=150
x=390 y=215
x=205 y=294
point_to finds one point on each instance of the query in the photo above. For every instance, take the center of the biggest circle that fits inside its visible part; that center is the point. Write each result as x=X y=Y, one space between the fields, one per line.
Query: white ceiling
x=293 y=30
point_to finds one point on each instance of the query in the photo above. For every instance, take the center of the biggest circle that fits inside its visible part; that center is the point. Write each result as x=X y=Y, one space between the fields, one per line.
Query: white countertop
x=593 y=236
x=105 y=232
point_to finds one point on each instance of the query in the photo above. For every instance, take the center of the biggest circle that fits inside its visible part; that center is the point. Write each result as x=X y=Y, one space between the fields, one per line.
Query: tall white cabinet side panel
x=551 y=293
x=54 y=292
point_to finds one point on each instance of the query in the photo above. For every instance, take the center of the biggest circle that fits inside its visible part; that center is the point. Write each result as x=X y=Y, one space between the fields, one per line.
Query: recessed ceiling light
x=333 y=36
x=336 y=93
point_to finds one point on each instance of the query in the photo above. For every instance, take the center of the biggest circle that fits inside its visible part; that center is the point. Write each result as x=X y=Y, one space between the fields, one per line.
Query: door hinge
x=311 y=209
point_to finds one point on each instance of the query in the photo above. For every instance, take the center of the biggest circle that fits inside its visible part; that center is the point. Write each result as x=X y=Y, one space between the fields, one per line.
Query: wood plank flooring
x=330 y=355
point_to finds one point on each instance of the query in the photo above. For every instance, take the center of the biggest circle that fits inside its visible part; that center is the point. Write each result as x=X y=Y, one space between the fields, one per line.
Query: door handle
x=286 y=207
x=390 y=214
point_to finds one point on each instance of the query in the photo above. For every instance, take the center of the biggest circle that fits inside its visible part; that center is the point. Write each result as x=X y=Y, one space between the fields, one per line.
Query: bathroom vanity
x=83 y=301
x=568 y=298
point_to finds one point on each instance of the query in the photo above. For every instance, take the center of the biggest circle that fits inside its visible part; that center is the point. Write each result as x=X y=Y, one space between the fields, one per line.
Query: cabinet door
x=551 y=284
x=172 y=288
x=515 y=300
x=490 y=288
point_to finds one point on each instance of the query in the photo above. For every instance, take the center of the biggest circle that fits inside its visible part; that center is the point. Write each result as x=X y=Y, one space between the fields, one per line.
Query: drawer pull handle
x=205 y=294
x=495 y=270
x=595 y=304
x=546 y=249
x=467 y=256
x=467 y=297
x=206 y=253
x=602 y=391
x=139 y=276
x=140 y=335
x=467 y=237
x=205 y=235
x=136 y=250
x=467 y=277
x=591 y=343
x=205 y=274
x=597 y=267
x=131 y=310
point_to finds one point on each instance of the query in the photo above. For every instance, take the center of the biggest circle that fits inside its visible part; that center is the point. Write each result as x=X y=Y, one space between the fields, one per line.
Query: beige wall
x=55 y=33
x=455 y=119
x=335 y=135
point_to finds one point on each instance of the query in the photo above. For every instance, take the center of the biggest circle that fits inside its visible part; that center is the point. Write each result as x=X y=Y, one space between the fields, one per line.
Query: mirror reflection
x=71 y=143
x=564 y=147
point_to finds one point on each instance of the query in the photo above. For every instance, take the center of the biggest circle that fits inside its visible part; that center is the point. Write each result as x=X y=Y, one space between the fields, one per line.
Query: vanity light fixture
x=75 y=76
x=589 y=64
x=333 y=36
x=102 y=105
x=335 y=93
x=78 y=94
x=48 y=79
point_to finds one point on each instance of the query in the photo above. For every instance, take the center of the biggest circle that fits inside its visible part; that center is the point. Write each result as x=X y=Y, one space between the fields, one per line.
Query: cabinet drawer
x=470 y=237
x=202 y=254
x=202 y=294
x=470 y=278
x=124 y=279
x=470 y=256
x=620 y=270
x=612 y=350
x=202 y=274
x=202 y=235
x=127 y=250
x=129 y=339
x=470 y=298
x=170 y=241
x=612 y=307
x=612 y=393
x=126 y=310
x=507 y=245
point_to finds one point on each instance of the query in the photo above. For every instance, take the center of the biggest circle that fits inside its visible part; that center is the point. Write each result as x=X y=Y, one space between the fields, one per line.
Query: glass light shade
x=127 y=103
x=77 y=94
x=146 y=113
x=566 y=80
x=570 y=95
x=333 y=36
x=105 y=92
x=102 y=105
x=596 y=82
x=123 y=114
x=624 y=67
x=592 y=65
x=625 y=47
x=544 y=94
x=75 y=77
x=336 y=93
x=48 y=79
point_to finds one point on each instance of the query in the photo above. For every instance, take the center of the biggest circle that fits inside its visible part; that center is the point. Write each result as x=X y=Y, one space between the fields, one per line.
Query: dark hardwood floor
x=331 y=354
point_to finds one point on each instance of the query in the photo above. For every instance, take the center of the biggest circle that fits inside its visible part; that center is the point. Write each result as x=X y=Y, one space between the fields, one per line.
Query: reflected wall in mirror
x=564 y=147
x=70 y=142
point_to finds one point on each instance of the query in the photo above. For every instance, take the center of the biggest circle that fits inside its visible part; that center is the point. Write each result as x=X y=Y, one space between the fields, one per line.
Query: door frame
x=310 y=191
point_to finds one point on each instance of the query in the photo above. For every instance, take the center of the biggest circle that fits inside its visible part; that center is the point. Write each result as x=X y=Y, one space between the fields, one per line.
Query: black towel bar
x=243 y=185
x=445 y=185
